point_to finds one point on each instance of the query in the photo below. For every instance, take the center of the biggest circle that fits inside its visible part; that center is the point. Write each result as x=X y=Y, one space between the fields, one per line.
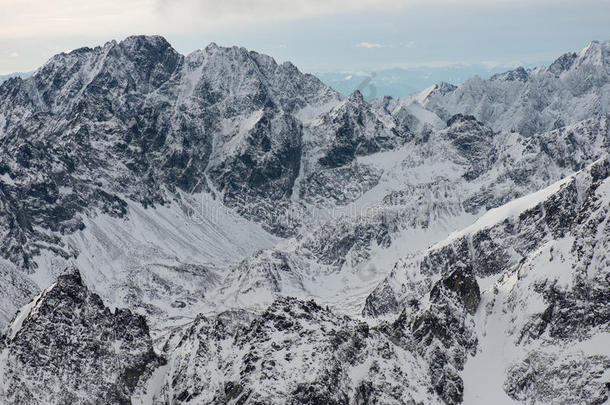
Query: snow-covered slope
x=162 y=261
x=571 y=89
x=142 y=166
x=453 y=241
x=541 y=263
x=17 y=290
x=429 y=188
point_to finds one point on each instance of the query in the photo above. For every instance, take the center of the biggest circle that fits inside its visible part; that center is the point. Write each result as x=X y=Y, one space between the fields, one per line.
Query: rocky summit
x=218 y=228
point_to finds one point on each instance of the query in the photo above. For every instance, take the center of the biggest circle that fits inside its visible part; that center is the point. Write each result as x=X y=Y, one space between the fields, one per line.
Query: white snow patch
x=484 y=374
x=153 y=387
x=513 y=208
x=147 y=249
x=6 y=179
x=25 y=311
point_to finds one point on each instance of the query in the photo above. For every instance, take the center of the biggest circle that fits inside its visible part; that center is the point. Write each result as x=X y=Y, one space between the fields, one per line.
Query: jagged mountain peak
x=147 y=64
x=519 y=74
x=356 y=97
x=214 y=49
x=195 y=190
x=147 y=41
x=440 y=88
x=444 y=87
x=72 y=273
x=595 y=53
x=139 y=48
x=519 y=101
x=266 y=64
x=235 y=74
x=66 y=346
x=68 y=290
x=563 y=63
x=150 y=110
x=293 y=352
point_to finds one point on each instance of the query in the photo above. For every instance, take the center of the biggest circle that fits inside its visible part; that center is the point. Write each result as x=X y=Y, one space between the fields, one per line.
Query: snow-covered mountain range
x=219 y=228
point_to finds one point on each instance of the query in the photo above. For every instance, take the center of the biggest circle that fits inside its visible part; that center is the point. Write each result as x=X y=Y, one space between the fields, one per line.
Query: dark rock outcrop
x=67 y=347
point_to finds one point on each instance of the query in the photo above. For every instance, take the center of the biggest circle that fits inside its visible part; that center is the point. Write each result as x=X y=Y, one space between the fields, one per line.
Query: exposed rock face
x=575 y=312
x=463 y=284
x=202 y=190
x=551 y=294
x=295 y=352
x=442 y=331
x=136 y=120
x=473 y=141
x=357 y=131
x=110 y=134
x=66 y=347
x=463 y=170
x=381 y=301
x=499 y=248
x=16 y=292
x=519 y=100
x=547 y=378
x=548 y=155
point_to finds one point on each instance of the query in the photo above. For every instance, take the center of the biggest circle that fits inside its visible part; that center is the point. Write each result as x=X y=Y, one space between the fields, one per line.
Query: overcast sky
x=317 y=35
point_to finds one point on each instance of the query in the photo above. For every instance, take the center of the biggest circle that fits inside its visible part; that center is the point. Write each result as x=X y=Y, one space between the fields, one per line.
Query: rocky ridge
x=67 y=347
x=453 y=243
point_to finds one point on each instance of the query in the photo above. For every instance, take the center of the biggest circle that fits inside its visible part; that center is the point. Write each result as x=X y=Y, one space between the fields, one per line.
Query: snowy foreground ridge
x=219 y=229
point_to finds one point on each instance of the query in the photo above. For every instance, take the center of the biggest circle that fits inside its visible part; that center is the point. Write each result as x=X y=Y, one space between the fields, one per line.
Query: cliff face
x=66 y=346
x=285 y=244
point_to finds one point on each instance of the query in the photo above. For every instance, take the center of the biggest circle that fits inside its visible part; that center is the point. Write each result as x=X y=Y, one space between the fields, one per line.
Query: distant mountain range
x=397 y=82
x=23 y=75
x=400 y=82
x=218 y=228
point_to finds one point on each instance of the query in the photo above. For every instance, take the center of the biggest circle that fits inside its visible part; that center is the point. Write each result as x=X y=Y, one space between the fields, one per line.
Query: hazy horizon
x=395 y=82
x=317 y=36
